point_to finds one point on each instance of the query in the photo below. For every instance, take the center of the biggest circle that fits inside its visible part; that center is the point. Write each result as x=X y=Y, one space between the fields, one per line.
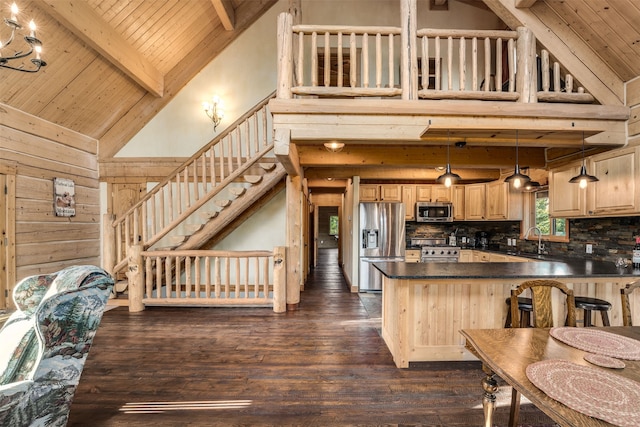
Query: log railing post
x=279 y=279
x=135 y=276
x=409 y=58
x=285 y=55
x=526 y=75
x=108 y=243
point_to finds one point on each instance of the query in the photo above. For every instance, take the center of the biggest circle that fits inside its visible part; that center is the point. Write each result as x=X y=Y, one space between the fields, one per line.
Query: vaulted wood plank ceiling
x=83 y=90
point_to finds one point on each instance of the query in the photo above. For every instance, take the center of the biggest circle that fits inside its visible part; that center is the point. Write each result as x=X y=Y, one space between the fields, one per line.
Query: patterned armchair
x=44 y=344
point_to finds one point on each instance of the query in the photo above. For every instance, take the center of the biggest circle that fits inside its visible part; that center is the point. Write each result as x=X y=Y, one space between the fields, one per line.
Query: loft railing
x=207 y=278
x=190 y=186
x=367 y=61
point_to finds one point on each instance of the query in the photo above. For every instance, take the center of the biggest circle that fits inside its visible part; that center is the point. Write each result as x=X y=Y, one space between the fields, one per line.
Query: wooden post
x=135 y=276
x=294 y=240
x=279 y=279
x=285 y=55
x=526 y=76
x=108 y=243
x=408 y=55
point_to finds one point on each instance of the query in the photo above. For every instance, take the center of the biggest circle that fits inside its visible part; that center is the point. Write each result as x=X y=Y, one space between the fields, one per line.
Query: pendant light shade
x=517 y=180
x=448 y=178
x=583 y=178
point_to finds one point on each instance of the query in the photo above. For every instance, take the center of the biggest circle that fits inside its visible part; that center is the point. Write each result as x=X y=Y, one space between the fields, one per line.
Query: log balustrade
x=443 y=64
x=207 y=278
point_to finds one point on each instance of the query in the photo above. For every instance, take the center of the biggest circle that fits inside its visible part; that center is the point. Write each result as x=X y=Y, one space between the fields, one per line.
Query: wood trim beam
x=521 y=4
x=563 y=43
x=397 y=174
x=81 y=20
x=286 y=152
x=225 y=12
x=150 y=168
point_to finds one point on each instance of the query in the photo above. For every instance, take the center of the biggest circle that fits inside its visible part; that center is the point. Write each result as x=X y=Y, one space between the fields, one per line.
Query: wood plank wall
x=40 y=151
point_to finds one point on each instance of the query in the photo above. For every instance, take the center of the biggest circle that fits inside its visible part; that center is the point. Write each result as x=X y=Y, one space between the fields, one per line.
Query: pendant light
x=583 y=177
x=448 y=178
x=517 y=180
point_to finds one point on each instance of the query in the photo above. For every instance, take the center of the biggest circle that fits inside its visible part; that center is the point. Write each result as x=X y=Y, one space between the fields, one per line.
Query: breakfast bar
x=425 y=305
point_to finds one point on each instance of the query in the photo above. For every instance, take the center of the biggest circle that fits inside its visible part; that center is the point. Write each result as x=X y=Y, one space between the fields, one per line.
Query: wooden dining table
x=507 y=353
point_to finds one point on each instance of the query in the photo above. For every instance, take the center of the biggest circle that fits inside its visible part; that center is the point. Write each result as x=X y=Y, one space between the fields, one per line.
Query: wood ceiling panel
x=597 y=28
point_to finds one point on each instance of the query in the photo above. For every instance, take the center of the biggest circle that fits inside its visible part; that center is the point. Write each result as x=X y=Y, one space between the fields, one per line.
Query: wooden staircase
x=200 y=199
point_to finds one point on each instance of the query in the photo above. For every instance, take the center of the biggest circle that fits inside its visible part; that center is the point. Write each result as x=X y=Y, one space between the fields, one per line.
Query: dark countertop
x=503 y=270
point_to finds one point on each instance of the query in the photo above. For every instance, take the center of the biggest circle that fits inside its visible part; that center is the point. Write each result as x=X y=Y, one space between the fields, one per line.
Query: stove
x=436 y=250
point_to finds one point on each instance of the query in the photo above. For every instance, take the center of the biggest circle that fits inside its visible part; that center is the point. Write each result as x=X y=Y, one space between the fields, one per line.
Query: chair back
x=626 y=306
x=541 y=302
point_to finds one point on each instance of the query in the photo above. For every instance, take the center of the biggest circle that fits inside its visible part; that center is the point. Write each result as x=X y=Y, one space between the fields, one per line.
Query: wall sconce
x=334 y=146
x=214 y=110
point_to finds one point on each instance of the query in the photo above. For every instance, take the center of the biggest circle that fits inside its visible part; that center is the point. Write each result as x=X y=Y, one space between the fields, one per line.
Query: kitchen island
x=425 y=305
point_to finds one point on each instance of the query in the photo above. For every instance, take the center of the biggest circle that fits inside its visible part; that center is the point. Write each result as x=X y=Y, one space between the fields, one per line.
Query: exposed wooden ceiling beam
x=563 y=43
x=286 y=152
x=225 y=12
x=79 y=18
x=395 y=174
x=524 y=3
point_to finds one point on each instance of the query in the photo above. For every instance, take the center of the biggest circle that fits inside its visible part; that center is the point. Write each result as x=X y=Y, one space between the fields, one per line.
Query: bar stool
x=526 y=308
x=593 y=304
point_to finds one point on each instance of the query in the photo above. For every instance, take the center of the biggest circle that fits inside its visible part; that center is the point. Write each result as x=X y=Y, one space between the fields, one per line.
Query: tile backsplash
x=611 y=238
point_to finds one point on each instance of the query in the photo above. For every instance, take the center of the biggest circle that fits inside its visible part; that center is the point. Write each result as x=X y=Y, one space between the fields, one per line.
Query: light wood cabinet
x=498 y=258
x=458 y=202
x=502 y=203
x=412 y=255
x=409 y=200
x=566 y=199
x=466 y=255
x=616 y=192
x=380 y=193
x=474 y=202
x=433 y=193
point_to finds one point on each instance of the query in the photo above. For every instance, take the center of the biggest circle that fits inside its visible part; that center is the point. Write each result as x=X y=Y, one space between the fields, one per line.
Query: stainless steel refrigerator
x=381 y=239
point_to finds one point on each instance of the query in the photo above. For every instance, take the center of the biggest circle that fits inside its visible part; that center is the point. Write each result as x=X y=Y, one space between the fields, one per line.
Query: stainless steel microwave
x=434 y=212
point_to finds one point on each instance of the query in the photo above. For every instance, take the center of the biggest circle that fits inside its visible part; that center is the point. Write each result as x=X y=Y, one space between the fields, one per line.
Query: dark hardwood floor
x=322 y=365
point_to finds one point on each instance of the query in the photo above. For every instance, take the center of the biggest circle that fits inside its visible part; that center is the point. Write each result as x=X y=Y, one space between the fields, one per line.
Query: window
x=333 y=225
x=551 y=228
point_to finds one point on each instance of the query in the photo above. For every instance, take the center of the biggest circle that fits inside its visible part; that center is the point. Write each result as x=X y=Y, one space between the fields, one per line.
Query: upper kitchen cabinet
x=617 y=191
x=566 y=199
x=458 y=201
x=433 y=193
x=409 y=200
x=502 y=203
x=474 y=202
x=380 y=193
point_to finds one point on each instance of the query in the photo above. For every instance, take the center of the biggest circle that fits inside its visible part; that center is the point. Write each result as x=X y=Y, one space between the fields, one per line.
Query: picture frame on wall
x=64 y=197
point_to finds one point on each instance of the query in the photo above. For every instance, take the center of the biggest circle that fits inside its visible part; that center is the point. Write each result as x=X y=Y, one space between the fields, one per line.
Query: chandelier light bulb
x=14 y=11
x=583 y=183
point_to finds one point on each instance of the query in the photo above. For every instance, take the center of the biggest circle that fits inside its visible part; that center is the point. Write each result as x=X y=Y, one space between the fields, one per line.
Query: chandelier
x=32 y=42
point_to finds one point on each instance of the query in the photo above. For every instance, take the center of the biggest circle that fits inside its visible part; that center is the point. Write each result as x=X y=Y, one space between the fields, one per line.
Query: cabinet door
x=440 y=193
x=391 y=193
x=466 y=256
x=497 y=194
x=565 y=199
x=369 y=192
x=458 y=202
x=409 y=200
x=615 y=192
x=423 y=193
x=474 y=201
x=497 y=258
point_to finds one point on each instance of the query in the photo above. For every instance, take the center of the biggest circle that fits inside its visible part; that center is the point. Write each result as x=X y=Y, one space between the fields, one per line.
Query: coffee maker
x=482 y=239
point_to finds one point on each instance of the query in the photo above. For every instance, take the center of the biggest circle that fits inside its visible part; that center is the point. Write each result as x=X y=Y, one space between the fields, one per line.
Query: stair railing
x=190 y=186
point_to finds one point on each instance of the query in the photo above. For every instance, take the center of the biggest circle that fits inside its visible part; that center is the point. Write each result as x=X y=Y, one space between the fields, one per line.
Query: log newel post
x=285 y=56
x=108 y=244
x=408 y=55
x=526 y=65
x=135 y=276
x=279 y=279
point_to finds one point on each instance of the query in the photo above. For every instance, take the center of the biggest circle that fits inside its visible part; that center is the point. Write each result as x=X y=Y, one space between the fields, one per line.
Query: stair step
x=237 y=191
x=176 y=240
x=209 y=215
x=253 y=179
x=192 y=228
x=268 y=166
x=223 y=203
